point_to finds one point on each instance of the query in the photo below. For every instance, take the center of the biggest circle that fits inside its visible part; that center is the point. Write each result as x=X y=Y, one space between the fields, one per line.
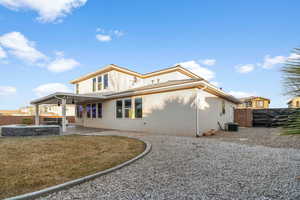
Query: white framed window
x=77 y=88
x=94 y=111
x=88 y=111
x=119 y=109
x=138 y=107
x=105 y=80
x=128 y=108
x=100 y=84
x=94 y=84
x=99 y=111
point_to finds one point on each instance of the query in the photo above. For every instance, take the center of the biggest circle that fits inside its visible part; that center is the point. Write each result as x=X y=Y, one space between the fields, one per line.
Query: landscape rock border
x=68 y=184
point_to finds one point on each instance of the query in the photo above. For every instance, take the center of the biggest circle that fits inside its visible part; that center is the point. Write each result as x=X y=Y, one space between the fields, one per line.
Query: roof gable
x=133 y=73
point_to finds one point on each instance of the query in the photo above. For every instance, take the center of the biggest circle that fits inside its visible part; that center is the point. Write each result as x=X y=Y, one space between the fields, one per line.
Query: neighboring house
x=254 y=102
x=170 y=101
x=49 y=110
x=294 y=102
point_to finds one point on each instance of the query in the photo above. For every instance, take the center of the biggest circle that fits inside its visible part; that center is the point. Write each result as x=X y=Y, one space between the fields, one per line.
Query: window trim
x=133 y=108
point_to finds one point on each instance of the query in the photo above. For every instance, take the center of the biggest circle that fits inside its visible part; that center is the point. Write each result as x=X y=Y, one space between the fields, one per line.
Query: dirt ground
x=270 y=137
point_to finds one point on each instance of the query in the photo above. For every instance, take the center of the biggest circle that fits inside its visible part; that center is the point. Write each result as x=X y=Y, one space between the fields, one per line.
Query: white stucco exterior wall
x=165 y=77
x=210 y=111
x=171 y=113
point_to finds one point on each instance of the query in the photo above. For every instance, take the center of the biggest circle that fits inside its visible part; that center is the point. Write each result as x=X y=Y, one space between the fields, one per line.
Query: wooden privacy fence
x=274 y=117
x=243 y=117
x=9 y=120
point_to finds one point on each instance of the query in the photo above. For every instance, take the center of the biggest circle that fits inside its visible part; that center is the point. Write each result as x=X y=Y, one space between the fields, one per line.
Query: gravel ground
x=271 y=137
x=198 y=168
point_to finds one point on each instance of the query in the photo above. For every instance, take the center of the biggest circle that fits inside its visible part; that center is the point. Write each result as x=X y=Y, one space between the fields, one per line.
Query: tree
x=291 y=75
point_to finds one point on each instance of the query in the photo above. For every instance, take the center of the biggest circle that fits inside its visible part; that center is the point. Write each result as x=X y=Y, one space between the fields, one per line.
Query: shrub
x=27 y=121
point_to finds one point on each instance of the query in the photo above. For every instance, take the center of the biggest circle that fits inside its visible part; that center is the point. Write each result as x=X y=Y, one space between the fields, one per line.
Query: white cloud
x=103 y=38
x=240 y=94
x=118 y=33
x=46 y=89
x=7 y=90
x=19 y=46
x=59 y=53
x=48 y=10
x=62 y=64
x=194 y=67
x=270 y=62
x=243 y=69
x=293 y=56
x=2 y=53
x=209 y=62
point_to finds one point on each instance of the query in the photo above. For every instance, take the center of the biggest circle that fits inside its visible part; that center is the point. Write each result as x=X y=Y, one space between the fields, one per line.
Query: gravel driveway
x=271 y=137
x=198 y=168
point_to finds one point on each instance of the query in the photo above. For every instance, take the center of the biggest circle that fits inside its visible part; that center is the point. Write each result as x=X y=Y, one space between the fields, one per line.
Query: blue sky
x=239 y=45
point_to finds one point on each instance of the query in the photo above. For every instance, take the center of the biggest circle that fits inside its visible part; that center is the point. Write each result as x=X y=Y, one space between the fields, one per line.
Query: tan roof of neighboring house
x=133 y=73
x=253 y=97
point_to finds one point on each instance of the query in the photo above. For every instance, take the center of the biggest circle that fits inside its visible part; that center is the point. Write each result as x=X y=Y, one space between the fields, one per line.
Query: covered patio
x=62 y=99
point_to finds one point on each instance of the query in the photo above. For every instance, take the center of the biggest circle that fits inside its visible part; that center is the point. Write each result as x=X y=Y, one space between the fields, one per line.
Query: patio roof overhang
x=70 y=98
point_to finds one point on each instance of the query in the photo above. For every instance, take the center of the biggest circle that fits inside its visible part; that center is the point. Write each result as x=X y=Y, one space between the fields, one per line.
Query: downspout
x=197 y=111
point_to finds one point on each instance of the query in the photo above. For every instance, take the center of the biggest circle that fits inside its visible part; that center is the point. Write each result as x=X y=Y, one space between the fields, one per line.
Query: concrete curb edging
x=68 y=184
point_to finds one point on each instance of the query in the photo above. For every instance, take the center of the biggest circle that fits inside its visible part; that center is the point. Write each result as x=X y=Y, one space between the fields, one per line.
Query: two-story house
x=294 y=102
x=171 y=101
x=254 y=102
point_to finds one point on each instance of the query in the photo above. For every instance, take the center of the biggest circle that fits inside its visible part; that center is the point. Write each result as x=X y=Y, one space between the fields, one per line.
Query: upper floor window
x=260 y=104
x=94 y=84
x=138 y=107
x=77 y=88
x=99 y=82
x=105 y=77
x=248 y=104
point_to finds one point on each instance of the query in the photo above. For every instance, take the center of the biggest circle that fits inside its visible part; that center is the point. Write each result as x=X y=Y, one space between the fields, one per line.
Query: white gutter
x=197 y=111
